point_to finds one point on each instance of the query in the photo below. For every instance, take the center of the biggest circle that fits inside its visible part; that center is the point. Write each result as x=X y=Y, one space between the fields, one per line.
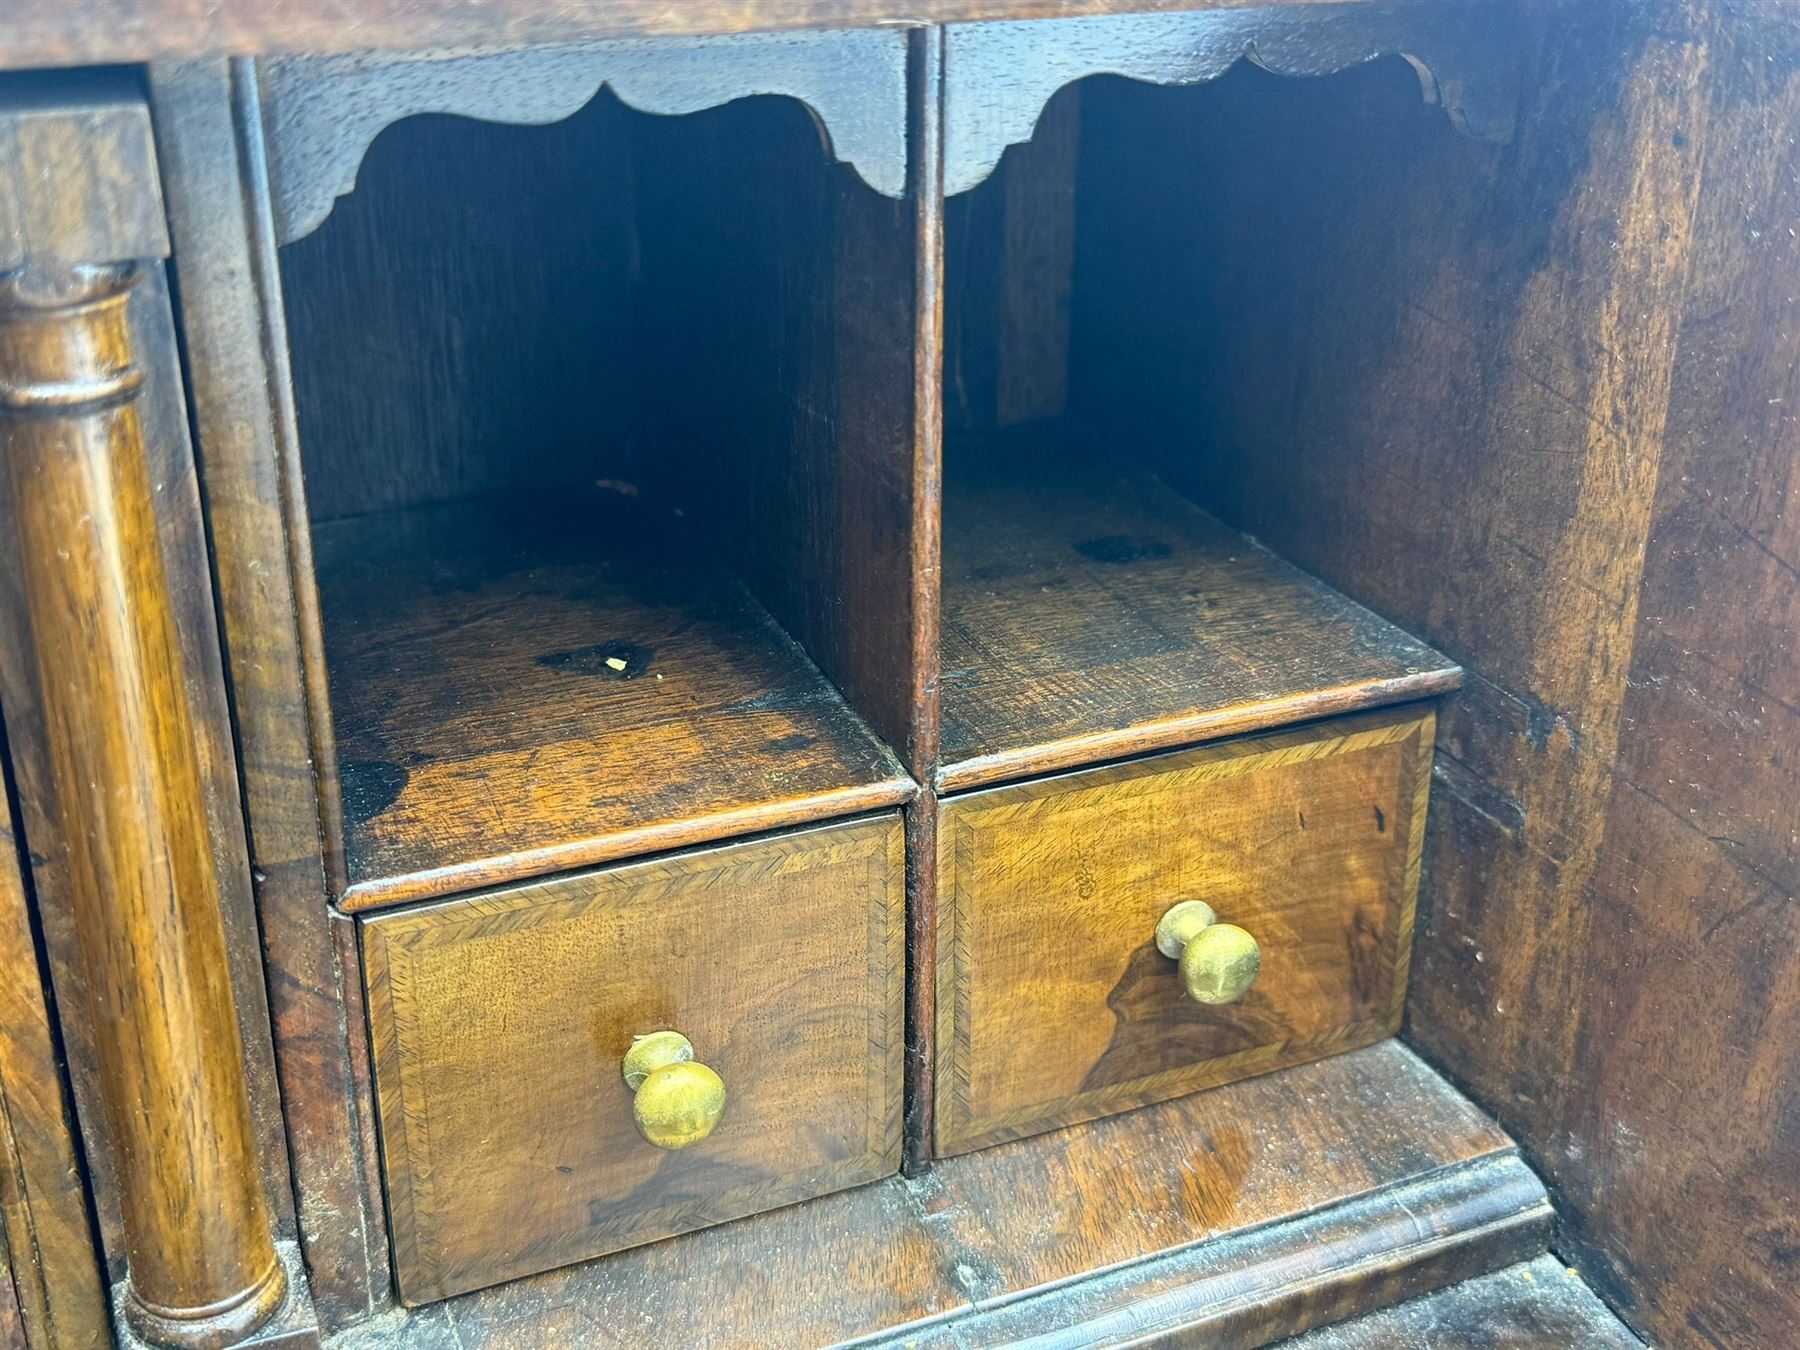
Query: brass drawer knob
x=1219 y=961
x=678 y=1102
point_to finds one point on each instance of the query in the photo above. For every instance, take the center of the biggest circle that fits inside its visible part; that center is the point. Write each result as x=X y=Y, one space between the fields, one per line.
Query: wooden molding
x=235 y=339
x=321 y=113
x=999 y=76
x=122 y=769
x=1233 y=1217
x=1248 y=1288
x=203 y=1269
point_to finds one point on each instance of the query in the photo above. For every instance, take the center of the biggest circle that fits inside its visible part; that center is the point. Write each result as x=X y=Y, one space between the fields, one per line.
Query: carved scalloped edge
x=321 y=113
x=999 y=76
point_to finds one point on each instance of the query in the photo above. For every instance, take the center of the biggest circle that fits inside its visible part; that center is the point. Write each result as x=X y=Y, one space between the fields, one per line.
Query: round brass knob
x=1219 y=961
x=677 y=1102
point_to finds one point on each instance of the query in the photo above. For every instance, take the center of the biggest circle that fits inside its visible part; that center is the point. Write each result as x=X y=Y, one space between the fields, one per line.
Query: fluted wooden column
x=203 y=1266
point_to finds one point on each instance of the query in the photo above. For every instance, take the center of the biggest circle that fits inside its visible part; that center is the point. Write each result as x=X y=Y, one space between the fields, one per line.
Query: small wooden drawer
x=500 y=1021
x=1054 y=1003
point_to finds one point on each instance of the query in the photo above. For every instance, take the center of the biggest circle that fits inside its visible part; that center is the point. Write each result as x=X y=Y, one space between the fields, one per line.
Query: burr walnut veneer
x=1055 y=1004
x=500 y=1023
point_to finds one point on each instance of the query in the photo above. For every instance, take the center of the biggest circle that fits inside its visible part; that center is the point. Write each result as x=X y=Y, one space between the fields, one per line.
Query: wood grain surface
x=104 y=150
x=1535 y=1305
x=322 y=112
x=1535 y=406
x=1091 y=613
x=1313 y=1193
x=925 y=62
x=499 y=1024
x=1054 y=1004
x=127 y=779
x=520 y=687
x=787 y=386
x=437 y=312
x=55 y=1270
x=810 y=445
x=93 y=32
x=234 y=340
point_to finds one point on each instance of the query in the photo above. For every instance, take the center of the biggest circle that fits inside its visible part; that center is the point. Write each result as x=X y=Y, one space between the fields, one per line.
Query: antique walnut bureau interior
x=754 y=701
x=624 y=705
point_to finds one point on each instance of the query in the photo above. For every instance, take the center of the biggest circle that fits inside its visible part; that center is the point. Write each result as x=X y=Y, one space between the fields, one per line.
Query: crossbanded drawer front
x=1055 y=1003
x=512 y=1142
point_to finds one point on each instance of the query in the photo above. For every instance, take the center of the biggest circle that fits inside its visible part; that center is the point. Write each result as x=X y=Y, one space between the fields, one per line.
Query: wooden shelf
x=1091 y=613
x=527 y=685
x=1234 y=1216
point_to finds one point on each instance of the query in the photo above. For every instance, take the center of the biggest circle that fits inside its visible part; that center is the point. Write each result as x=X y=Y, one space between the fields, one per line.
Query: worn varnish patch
x=484 y=735
x=1091 y=613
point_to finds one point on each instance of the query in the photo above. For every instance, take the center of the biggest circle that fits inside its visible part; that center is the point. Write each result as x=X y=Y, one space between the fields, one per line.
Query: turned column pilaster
x=203 y=1269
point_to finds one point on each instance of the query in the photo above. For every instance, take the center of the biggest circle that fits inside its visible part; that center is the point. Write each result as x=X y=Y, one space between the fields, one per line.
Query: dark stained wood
x=104 y=155
x=441 y=308
x=235 y=342
x=127 y=773
x=921 y=979
x=1530 y=403
x=55 y=1273
x=927 y=342
x=69 y=144
x=722 y=253
x=1482 y=480
x=1685 y=1082
x=1091 y=613
x=999 y=76
x=784 y=403
x=88 y=32
x=522 y=686
x=1054 y=1004
x=1535 y=1305
x=500 y=1023
x=1010 y=248
x=1036 y=268
x=925 y=62
x=845 y=550
x=1345 y=413
x=1324 y=1188
x=1534 y=405
x=321 y=112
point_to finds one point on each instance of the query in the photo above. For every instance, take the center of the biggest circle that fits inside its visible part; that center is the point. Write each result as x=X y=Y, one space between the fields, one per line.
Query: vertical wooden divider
x=925 y=167
x=209 y=137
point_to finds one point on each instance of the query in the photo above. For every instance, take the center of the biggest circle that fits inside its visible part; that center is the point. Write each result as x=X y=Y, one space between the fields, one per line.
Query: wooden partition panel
x=1531 y=403
x=775 y=361
x=791 y=389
